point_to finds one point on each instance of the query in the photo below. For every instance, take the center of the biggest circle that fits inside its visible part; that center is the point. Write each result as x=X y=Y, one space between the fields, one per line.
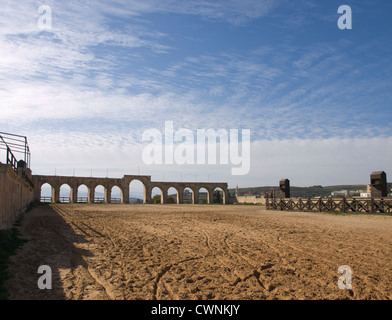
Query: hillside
x=296 y=192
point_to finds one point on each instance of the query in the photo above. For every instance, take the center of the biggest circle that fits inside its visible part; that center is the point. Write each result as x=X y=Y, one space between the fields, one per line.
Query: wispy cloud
x=109 y=70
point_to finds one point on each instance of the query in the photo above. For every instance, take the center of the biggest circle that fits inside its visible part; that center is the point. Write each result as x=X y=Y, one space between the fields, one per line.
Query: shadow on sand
x=51 y=242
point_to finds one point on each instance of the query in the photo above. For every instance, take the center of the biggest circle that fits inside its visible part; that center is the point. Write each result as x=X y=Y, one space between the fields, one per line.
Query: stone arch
x=65 y=193
x=46 y=195
x=188 y=197
x=138 y=191
x=83 y=193
x=117 y=196
x=221 y=198
x=100 y=193
x=157 y=191
x=170 y=195
x=203 y=195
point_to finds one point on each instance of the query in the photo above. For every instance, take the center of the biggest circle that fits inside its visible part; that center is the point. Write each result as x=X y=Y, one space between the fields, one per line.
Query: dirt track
x=200 y=252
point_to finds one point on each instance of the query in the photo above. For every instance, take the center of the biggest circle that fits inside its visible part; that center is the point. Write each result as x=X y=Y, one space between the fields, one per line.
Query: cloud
x=85 y=91
x=305 y=162
x=232 y=11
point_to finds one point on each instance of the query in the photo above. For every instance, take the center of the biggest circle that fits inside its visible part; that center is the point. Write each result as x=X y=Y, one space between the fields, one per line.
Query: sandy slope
x=200 y=252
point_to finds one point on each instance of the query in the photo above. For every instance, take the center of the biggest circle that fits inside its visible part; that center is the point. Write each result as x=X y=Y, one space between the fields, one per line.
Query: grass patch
x=9 y=243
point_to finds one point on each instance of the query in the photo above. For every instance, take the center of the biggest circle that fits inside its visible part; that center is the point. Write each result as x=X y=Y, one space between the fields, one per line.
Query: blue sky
x=317 y=99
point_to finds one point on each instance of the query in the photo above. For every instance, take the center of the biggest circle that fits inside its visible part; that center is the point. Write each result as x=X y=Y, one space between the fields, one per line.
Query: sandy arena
x=200 y=252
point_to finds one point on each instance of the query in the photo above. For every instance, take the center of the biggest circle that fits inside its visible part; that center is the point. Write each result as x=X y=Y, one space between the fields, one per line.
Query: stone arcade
x=123 y=184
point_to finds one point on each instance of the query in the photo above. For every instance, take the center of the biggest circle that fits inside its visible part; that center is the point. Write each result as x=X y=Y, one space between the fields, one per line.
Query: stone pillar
x=225 y=195
x=37 y=191
x=163 y=198
x=195 y=197
x=56 y=193
x=108 y=195
x=90 y=195
x=180 y=196
x=147 y=194
x=210 y=196
x=74 y=192
x=125 y=194
x=378 y=184
x=284 y=186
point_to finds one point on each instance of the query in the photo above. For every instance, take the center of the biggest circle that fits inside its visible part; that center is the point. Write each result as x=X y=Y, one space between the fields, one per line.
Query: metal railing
x=15 y=144
x=46 y=199
x=65 y=199
x=82 y=200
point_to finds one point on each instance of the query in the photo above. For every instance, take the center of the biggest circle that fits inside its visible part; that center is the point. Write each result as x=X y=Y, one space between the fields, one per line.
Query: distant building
x=366 y=195
x=339 y=194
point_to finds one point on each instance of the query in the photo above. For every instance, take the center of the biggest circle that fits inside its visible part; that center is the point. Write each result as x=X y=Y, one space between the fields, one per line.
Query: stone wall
x=15 y=195
x=251 y=199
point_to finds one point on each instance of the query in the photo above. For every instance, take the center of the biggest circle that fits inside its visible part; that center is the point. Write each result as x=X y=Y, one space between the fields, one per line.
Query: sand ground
x=200 y=252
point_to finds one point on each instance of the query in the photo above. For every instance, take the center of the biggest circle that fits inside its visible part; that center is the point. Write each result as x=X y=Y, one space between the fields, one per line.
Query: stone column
x=284 y=186
x=378 y=182
x=108 y=195
x=90 y=195
x=195 y=196
x=125 y=194
x=210 y=196
x=180 y=196
x=56 y=193
x=74 y=192
x=164 y=197
x=147 y=194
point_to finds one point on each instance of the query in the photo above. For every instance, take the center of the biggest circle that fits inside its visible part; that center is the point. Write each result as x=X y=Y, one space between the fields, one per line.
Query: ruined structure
x=123 y=184
x=378 y=184
x=284 y=186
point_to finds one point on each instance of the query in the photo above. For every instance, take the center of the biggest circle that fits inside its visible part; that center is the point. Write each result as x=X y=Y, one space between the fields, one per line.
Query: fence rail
x=345 y=205
x=46 y=199
x=79 y=200
x=65 y=199
x=13 y=143
x=82 y=200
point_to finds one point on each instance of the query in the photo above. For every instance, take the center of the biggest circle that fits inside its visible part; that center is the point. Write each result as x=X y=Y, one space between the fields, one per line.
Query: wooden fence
x=346 y=205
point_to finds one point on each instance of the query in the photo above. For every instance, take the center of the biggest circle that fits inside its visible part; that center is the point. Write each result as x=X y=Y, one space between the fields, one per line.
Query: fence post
x=344 y=205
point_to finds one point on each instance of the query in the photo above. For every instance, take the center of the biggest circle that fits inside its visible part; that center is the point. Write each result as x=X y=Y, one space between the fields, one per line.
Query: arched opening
x=116 y=195
x=188 y=196
x=65 y=193
x=99 y=194
x=156 y=195
x=218 y=196
x=46 y=194
x=82 y=194
x=203 y=196
x=172 y=195
x=137 y=192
